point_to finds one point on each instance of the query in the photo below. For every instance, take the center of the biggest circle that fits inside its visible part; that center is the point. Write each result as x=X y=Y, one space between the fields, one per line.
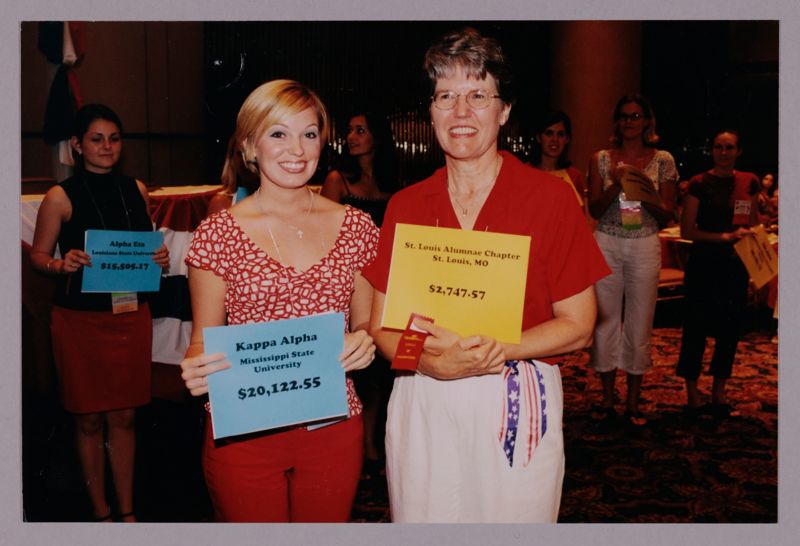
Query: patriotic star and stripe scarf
x=523 y=384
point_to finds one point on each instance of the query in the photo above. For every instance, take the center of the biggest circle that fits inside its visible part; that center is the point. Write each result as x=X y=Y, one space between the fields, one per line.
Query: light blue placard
x=283 y=373
x=122 y=261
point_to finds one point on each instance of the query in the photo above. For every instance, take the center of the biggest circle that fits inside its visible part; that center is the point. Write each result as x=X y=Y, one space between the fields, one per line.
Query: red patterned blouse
x=261 y=289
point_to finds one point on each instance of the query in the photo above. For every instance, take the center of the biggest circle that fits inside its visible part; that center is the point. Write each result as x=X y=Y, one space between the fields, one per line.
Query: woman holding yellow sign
x=282 y=253
x=719 y=209
x=474 y=428
x=631 y=192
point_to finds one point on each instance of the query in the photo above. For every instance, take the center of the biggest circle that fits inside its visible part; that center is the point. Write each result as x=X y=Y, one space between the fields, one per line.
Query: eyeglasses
x=477 y=98
x=629 y=117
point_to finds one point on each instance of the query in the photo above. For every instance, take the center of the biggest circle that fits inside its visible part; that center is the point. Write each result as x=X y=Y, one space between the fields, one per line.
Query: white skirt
x=445 y=459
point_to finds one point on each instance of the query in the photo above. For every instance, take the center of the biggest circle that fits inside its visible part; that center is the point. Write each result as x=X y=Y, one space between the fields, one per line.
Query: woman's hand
x=616 y=172
x=161 y=257
x=446 y=355
x=73 y=261
x=196 y=369
x=735 y=235
x=359 y=350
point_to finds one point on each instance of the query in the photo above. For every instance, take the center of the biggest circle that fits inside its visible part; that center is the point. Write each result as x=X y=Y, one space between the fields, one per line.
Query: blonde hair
x=268 y=104
x=234 y=171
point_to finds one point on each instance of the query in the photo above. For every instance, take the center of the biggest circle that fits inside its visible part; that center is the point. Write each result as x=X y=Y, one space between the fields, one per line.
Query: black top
x=376 y=208
x=717 y=196
x=99 y=201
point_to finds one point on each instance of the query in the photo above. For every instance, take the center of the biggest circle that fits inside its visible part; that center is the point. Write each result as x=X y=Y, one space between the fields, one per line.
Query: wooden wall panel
x=151 y=74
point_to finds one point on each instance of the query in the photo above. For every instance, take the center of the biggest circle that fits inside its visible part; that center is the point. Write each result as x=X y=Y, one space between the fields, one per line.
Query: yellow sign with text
x=758 y=256
x=471 y=282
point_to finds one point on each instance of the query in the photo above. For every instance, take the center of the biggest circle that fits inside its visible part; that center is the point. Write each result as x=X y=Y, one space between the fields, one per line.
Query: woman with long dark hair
x=103 y=356
x=368 y=175
x=367 y=178
x=550 y=153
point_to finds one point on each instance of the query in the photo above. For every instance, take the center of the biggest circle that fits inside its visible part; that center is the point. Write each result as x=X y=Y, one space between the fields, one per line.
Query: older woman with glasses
x=627 y=232
x=446 y=460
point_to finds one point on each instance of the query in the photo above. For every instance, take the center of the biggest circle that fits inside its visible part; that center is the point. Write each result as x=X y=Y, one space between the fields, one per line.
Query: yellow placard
x=758 y=256
x=638 y=186
x=471 y=282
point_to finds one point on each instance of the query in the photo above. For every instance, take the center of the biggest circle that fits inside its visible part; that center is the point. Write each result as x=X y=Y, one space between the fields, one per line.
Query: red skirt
x=103 y=359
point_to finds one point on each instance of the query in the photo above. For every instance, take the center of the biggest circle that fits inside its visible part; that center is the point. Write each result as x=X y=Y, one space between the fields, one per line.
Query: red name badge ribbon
x=410 y=347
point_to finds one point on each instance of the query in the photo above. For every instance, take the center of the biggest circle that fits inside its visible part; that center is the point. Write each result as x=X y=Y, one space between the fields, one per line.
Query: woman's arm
x=208 y=309
x=599 y=198
x=359 y=347
x=570 y=329
x=666 y=212
x=449 y=356
x=445 y=354
x=386 y=340
x=690 y=231
x=333 y=187
x=55 y=209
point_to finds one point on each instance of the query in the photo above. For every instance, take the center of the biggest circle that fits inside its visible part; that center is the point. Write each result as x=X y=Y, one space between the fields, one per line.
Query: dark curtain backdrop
x=700 y=76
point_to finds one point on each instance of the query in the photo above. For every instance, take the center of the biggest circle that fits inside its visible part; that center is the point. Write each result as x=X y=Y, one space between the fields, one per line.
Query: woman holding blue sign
x=101 y=342
x=474 y=432
x=282 y=253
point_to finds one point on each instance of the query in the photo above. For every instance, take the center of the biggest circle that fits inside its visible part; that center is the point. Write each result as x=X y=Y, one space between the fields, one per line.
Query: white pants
x=622 y=338
x=445 y=463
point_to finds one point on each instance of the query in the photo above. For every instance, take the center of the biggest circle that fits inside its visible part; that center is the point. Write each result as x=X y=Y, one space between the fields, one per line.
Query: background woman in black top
x=103 y=357
x=368 y=175
x=718 y=210
x=366 y=180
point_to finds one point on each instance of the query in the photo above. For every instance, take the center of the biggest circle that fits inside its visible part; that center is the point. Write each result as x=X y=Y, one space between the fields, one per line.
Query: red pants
x=292 y=476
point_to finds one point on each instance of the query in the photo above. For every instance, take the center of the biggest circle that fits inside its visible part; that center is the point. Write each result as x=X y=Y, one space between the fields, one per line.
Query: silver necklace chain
x=298 y=230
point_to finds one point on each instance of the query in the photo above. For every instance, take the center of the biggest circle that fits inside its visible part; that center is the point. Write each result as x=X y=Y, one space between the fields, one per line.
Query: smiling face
x=359 y=138
x=463 y=132
x=100 y=146
x=553 y=140
x=287 y=152
x=725 y=151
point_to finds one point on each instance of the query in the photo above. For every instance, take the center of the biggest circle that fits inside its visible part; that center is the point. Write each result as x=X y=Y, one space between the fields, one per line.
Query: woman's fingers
x=196 y=369
x=439 y=339
x=75 y=259
x=360 y=362
x=359 y=350
x=161 y=256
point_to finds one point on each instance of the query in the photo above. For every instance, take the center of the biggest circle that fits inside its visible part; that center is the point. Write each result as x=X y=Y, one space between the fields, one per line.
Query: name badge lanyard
x=124 y=301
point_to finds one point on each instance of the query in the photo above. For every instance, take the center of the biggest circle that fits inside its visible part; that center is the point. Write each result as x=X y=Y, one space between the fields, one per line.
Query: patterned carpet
x=676 y=469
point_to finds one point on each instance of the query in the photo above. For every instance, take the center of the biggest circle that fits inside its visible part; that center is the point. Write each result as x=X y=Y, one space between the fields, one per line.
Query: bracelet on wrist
x=50 y=263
